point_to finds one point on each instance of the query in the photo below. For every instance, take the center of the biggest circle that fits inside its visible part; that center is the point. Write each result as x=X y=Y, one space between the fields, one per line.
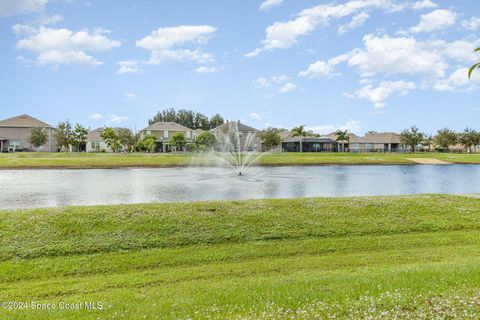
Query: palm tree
x=300 y=132
x=475 y=66
x=342 y=136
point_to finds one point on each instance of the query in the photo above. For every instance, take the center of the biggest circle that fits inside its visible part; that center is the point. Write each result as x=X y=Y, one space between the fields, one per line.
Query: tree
x=299 y=131
x=168 y=115
x=147 y=144
x=342 y=136
x=446 y=138
x=270 y=138
x=178 y=140
x=469 y=138
x=79 y=135
x=206 y=140
x=111 y=138
x=64 y=135
x=412 y=138
x=38 y=137
x=475 y=66
x=428 y=142
x=126 y=138
x=201 y=121
x=216 y=120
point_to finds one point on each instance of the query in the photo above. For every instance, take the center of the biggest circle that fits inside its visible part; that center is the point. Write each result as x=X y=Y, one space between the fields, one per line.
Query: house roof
x=382 y=137
x=24 y=121
x=288 y=137
x=171 y=126
x=374 y=137
x=241 y=127
x=94 y=135
x=198 y=131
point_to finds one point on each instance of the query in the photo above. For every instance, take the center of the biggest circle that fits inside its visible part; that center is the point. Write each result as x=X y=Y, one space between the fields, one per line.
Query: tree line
x=188 y=118
x=442 y=141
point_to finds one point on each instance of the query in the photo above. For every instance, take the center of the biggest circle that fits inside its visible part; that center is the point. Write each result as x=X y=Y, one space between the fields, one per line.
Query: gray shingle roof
x=171 y=126
x=241 y=127
x=24 y=121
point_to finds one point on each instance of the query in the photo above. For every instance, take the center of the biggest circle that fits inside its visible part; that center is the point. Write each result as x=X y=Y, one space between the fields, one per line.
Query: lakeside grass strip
x=105 y=160
x=238 y=258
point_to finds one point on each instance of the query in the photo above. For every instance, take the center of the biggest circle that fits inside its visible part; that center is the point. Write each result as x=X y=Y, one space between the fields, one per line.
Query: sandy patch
x=428 y=161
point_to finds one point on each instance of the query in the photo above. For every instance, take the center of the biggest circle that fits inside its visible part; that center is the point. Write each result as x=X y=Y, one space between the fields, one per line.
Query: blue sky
x=359 y=65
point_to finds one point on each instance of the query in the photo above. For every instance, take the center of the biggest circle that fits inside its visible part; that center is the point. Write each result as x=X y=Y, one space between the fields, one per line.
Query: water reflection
x=51 y=188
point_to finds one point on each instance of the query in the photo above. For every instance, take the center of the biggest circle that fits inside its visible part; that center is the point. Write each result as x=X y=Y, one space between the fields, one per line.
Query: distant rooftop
x=171 y=126
x=24 y=121
x=241 y=127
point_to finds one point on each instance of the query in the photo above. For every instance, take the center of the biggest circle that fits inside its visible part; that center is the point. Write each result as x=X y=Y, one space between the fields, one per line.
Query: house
x=15 y=133
x=235 y=132
x=197 y=132
x=370 y=142
x=163 y=131
x=306 y=144
x=95 y=142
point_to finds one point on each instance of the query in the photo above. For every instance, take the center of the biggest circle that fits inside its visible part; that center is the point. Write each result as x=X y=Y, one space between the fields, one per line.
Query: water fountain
x=235 y=148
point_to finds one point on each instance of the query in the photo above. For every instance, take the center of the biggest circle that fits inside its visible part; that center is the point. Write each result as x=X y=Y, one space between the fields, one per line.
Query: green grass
x=105 y=160
x=220 y=260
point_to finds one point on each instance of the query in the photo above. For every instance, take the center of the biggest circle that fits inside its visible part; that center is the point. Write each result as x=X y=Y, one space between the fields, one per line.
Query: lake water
x=55 y=188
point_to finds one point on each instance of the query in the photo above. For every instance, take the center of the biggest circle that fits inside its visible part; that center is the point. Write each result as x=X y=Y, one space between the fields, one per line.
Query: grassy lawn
x=104 y=160
x=411 y=256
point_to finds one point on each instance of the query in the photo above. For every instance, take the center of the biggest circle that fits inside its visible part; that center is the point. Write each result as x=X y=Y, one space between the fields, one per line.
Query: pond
x=55 y=188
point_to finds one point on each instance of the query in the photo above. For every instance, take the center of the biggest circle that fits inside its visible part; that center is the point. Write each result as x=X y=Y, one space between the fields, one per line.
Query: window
x=149 y=132
x=165 y=133
x=14 y=145
x=368 y=146
x=189 y=134
x=95 y=145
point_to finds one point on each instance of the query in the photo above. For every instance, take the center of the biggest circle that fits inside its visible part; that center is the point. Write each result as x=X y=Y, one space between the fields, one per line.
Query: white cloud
x=163 y=44
x=63 y=46
x=130 y=96
x=351 y=126
x=198 y=56
x=288 y=87
x=113 y=119
x=424 y=4
x=255 y=116
x=322 y=68
x=49 y=20
x=379 y=95
x=205 y=69
x=269 y=4
x=281 y=35
x=436 y=20
x=357 y=21
x=96 y=116
x=458 y=81
x=264 y=82
x=13 y=7
x=472 y=24
x=394 y=56
x=129 y=66
x=280 y=79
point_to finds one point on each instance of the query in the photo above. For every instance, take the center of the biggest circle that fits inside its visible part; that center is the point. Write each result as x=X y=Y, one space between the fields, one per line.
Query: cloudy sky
x=359 y=65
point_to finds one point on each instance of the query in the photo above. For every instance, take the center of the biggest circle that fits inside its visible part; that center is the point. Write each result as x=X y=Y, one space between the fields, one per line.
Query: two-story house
x=15 y=134
x=164 y=131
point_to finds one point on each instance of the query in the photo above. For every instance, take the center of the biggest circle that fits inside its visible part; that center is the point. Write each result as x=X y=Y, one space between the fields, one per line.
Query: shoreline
x=211 y=166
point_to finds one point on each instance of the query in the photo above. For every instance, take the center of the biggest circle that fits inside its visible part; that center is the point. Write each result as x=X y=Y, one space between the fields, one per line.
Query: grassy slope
x=171 y=260
x=91 y=160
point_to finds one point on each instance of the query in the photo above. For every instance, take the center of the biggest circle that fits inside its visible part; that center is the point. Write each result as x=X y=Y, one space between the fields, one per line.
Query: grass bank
x=105 y=160
x=410 y=256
